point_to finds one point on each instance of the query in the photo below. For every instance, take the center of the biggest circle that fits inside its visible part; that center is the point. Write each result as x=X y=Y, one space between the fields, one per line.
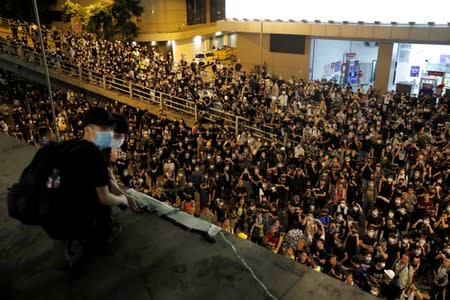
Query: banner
x=75 y=23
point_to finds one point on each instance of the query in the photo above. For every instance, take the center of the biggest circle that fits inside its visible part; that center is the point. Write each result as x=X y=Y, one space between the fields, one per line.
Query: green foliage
x=108 y=19
x=71 y=9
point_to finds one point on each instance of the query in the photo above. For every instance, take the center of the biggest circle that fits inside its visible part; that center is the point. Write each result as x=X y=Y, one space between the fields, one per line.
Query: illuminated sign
x=435 y=73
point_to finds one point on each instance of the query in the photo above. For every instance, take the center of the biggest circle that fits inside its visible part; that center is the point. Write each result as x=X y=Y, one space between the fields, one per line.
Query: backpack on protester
x=32 y=200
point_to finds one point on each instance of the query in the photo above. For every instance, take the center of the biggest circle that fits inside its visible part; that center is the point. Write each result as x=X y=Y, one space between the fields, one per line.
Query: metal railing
x=4 y=21
x=185 y=107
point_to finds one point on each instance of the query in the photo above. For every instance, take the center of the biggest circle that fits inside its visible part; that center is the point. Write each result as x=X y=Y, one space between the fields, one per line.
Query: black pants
x=102 y=222
x=437 y=292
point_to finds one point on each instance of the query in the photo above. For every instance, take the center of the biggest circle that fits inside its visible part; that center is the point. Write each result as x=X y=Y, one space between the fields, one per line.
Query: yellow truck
x=225 y=52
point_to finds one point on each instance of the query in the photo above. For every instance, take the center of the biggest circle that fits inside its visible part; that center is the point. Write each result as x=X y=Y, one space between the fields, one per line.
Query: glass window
x=217 y=10
x=232 y=38
x=196 y=12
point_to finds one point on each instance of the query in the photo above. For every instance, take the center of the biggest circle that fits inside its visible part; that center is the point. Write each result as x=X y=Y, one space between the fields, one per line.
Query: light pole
x=260 y=44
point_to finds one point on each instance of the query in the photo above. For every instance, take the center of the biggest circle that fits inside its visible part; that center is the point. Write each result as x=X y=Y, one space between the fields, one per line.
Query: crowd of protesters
x=356 y=185
x=358 y=193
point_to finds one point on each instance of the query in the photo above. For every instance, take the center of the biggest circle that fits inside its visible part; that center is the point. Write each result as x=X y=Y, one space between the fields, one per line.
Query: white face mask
x=117 y=143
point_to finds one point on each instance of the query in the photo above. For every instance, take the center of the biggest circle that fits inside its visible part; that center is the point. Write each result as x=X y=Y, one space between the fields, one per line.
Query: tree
x=108 y=19
x=126 y=14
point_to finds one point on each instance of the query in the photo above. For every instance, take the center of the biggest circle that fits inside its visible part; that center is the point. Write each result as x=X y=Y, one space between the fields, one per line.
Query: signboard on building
x=435 y=73
x=444 y=59
x=414 y=71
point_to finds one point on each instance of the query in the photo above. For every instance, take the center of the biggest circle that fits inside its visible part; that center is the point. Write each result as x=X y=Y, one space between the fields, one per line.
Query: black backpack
x=40 y=186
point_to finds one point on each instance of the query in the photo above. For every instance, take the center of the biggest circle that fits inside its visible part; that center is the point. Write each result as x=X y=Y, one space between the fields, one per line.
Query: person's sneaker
x=59 y=258
x=116 y=228
x=67 y=253
x=74 y=251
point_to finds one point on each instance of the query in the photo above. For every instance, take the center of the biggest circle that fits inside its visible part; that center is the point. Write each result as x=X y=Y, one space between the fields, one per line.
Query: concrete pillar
x=383 y=68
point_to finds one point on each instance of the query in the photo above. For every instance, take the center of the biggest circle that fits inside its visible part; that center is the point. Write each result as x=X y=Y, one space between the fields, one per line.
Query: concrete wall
x=383 y=73
x=163 y=16
x=286 y=65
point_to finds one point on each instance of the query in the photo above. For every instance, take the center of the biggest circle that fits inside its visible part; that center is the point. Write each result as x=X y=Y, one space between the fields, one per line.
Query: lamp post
x=260 y=44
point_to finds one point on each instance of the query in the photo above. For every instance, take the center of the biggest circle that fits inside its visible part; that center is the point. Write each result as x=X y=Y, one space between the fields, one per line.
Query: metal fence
x=184 y=107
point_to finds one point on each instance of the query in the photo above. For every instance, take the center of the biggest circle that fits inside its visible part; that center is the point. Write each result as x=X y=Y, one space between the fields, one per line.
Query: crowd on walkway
x=231 y=87
x=356 y=185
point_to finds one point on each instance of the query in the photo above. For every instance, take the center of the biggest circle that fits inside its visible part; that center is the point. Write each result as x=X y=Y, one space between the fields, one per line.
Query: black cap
x=98 y=116
x=120 y=123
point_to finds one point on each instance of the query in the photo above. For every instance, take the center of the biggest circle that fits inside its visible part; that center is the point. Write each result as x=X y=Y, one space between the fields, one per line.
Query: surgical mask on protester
x=392 y=241
x=371 y=234
x=117 y=143
x=103 y=139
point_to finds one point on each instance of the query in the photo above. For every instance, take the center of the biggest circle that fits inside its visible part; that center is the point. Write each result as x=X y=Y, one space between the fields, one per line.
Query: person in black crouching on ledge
x=88 y=184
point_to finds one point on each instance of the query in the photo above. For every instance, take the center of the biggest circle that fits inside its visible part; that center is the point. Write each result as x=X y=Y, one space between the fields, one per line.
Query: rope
x=248 y=267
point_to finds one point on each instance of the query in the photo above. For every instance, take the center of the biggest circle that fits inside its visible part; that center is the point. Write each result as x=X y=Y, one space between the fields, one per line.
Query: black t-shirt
x=293 y=221
x=368 y=240
x=371 y=220
x=392 y=252
x=402 y=221
x=85 y=169
x=377 y=273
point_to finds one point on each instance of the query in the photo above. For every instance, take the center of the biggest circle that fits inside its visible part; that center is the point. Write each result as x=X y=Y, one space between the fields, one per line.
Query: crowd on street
x=355 y=186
